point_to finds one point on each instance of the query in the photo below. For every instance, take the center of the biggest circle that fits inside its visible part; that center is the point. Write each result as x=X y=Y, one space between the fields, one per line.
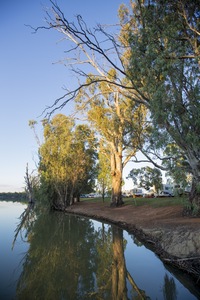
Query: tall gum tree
x=163 y=39
x=117 y=119
x=119 y=123
x=157 y=51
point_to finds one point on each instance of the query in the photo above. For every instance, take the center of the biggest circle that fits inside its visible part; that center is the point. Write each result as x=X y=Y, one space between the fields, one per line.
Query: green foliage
x=156 y=66
x=162 y=63
x=104 y=179
x=119 y=123
x=67 y=161
x=146 y=177
x=190 y=208
x=177 y=166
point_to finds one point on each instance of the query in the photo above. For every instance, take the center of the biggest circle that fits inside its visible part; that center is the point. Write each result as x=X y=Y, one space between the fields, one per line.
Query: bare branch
x=85 y=43
x=149 y=160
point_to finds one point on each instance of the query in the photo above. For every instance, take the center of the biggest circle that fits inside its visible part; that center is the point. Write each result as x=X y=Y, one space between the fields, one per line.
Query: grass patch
x=159 y=202
x=154 y=202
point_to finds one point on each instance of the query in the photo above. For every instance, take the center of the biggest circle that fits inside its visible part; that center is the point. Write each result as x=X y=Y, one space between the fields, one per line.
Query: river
x=59 y=256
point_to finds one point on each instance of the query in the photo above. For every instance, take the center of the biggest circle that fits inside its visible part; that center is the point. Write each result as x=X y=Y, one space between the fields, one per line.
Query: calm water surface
x=57 y=256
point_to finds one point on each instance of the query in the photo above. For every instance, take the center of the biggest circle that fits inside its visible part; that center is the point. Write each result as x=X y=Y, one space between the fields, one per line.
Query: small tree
x=147 y=177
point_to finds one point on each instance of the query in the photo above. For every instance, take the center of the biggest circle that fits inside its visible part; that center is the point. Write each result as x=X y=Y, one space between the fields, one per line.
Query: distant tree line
x=19 y=197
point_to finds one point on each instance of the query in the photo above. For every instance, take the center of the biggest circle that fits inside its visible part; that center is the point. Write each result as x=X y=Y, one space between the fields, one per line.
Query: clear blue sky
x=29 y=81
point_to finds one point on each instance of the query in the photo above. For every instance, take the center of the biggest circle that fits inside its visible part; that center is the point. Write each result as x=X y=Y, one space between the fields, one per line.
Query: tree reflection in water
x=169 y=288
x=27 y=219
x=69 y=259
x=61 y=259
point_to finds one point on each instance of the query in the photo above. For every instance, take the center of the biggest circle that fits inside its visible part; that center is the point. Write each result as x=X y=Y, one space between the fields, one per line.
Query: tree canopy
x=67 y=160
x=164 y=49
x=119 y=124
x=156 y=61
x=147 y=177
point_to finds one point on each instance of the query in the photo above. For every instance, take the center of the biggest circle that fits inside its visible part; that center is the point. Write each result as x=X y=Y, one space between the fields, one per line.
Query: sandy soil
x=165 y=230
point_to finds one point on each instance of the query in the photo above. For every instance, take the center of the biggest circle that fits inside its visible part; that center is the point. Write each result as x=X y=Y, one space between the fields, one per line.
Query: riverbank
x=174 y=238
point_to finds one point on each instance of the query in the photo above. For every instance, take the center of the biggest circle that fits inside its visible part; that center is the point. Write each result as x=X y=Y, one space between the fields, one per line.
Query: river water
x=59 y=256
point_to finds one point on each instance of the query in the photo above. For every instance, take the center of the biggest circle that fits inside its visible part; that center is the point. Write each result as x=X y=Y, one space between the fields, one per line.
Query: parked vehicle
x=83 y=196
x=138 y=193
x=164 y=194
x=149 y=194
x=127 y=195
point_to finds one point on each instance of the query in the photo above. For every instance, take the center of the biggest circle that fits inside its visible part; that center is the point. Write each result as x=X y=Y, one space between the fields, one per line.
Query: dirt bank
x=170 y=235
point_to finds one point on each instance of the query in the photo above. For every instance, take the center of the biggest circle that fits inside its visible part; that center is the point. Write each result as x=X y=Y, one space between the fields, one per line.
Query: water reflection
x=119 y=271
x=61 y=259
x=69 y=258
x=169 y=288
x=27 y=219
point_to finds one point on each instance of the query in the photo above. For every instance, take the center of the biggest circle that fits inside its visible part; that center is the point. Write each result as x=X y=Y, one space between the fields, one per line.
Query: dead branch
x=85 y=43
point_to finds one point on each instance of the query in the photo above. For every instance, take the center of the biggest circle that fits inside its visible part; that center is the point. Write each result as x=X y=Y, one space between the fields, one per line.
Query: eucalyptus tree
x=157 y=51
x=119 y=123
x=104 y=178
x=65 y=159
x=147 y=177
x=83 y=157
x=54 y=166
x=163 y=41
x=178 y=169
